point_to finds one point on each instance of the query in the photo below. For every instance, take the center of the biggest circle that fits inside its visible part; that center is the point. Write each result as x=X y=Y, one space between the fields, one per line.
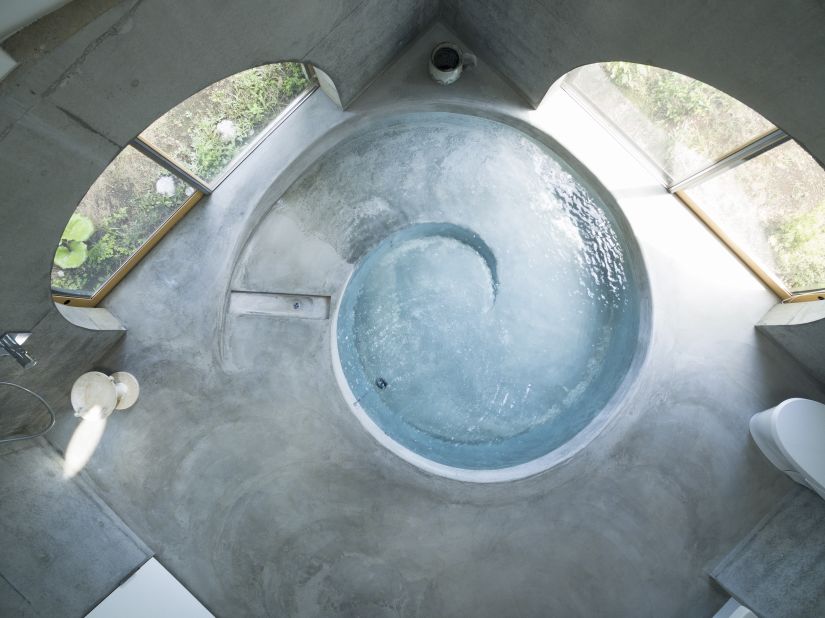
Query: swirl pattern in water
x=496 y=331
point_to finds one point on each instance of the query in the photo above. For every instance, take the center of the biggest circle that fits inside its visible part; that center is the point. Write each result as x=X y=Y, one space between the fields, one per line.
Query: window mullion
x=746 y=152
x=164 y=161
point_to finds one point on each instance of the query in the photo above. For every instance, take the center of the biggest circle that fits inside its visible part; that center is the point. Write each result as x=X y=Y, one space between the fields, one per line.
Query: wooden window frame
x=92 y=301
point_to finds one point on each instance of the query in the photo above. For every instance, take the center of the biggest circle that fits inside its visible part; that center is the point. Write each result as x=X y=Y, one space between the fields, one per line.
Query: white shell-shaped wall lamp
x=95 y=395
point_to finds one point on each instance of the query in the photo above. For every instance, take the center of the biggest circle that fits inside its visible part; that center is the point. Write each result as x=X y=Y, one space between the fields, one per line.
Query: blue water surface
x=491 y=339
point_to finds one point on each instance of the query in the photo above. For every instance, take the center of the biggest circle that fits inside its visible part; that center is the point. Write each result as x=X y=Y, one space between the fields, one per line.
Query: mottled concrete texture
x=243 y=467
x=778 y=570
x=62 y=548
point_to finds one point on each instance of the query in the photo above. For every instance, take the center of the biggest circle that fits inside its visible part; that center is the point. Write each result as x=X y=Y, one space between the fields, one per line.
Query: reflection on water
x=480 y=373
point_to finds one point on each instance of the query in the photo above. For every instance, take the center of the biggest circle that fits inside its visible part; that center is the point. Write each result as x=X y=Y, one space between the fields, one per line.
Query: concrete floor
x=63 y=548
x=244 y=470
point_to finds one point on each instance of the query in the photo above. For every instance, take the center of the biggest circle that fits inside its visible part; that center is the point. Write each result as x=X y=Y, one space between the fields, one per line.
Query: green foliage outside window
x=774 y=204
x=134 y=196
x=248 y=102
x=695 y=115
x=799 y=244
x=244 y=103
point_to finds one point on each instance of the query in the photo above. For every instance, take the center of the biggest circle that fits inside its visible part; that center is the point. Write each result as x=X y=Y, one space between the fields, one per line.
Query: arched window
x=754 y=186
x=165 y=171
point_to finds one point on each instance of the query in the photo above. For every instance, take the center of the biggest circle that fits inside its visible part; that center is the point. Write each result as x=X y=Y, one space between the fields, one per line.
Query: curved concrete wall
x=768 y=54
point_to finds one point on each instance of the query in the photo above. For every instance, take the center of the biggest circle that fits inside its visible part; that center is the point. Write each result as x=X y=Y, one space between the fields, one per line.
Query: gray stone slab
x=63 y=549
x=778 y=570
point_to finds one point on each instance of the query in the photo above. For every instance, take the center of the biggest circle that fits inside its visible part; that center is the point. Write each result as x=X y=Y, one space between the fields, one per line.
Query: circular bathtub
x=490 y=339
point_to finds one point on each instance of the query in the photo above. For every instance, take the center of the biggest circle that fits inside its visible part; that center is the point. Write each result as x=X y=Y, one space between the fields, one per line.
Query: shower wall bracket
x=11 y=344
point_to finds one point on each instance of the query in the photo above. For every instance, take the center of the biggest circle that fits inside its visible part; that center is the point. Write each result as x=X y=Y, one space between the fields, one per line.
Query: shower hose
x=43 y=401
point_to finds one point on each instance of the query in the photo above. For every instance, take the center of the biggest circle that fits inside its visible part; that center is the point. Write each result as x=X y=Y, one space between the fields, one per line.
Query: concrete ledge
x=791 y=314
x=90 y=318
x=299 y=306
x=798 y=328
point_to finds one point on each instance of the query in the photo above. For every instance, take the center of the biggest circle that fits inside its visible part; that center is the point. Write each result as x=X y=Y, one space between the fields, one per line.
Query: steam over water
x=495 y=331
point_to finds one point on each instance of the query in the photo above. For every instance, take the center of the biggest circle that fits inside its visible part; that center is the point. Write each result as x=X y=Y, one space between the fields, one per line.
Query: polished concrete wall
x=767 y=54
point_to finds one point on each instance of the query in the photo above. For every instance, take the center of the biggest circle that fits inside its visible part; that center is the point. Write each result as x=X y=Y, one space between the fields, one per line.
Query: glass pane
x=680 y=123
x=126 y=204
x=209 y=129
x=773 y=206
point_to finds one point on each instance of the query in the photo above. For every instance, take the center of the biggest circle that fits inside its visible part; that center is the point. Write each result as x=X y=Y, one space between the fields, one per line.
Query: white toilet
x=792 y=436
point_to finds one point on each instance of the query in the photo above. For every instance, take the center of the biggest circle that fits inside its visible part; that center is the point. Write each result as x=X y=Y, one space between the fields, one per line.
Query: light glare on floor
x=82 y=446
